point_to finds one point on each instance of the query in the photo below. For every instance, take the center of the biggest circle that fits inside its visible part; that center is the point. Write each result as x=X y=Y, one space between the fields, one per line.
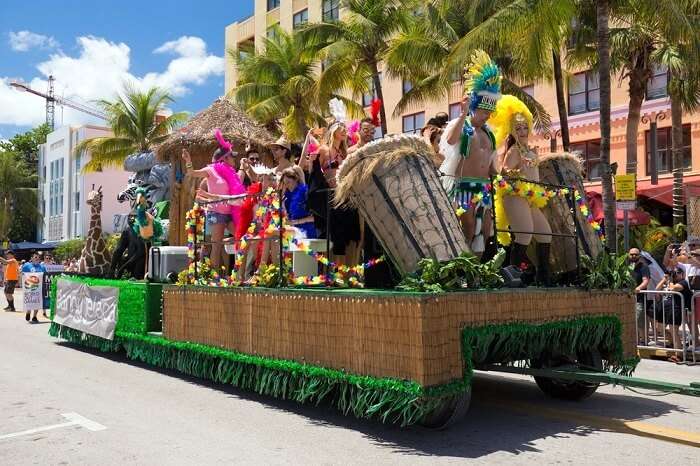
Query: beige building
x=583 y=103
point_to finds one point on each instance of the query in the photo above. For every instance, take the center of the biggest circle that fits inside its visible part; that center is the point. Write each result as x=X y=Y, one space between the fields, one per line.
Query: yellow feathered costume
x=509 y=111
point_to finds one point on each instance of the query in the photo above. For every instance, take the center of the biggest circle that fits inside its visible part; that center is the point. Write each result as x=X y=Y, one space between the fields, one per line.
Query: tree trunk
x=380 y=95
x=561 y=100
x=677 y=157
x=603 y=46
x=637 y=91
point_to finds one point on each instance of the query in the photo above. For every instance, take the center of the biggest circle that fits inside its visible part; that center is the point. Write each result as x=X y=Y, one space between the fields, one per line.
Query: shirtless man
x=472 y=172
x=469 y=148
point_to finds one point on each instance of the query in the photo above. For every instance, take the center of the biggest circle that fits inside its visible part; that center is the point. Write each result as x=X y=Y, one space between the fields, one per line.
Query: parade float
x=403 y=356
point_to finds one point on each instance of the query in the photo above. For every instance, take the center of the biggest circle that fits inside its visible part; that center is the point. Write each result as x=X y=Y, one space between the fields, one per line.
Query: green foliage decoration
x=460 y=273
x=607 y=271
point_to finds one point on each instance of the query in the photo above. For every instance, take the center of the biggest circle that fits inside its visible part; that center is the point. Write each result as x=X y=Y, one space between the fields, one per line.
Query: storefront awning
x=662 y=192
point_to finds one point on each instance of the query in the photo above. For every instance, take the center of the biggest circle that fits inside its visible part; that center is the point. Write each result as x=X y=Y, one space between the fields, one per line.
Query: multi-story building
x=582 y=103
x=63 y=188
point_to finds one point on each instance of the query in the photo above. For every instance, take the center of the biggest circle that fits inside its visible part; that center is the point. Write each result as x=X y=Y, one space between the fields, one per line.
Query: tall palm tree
x=133 y=120
x=423 y=53
x=603 y=48
x=281 y=83
x=18 y=192
x=359 y=42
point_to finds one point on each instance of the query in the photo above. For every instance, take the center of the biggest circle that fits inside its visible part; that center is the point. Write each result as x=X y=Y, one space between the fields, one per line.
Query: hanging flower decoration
x=536 y=194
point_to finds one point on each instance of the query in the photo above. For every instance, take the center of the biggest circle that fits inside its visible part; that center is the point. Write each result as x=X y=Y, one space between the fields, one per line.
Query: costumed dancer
x=469 y=148
x=518 y=201
x=344 y=221
x=222 y=179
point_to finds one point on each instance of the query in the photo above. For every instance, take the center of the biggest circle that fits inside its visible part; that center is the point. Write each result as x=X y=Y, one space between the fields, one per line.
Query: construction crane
x=52 y=100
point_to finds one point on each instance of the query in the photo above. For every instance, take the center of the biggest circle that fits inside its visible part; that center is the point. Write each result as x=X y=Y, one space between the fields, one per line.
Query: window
x=272 y=31
x=657 y=87
x=529 y=90
x=406 y=86
x=454 y=110
x=331 y=10
x=664 y=161
x=272 y=4
x=584 y=93
x=378 y=132
x=372 y=94
x=413 y=123
x=77 y=202
x=300 y=18
x=78 y=156
x=590 y=156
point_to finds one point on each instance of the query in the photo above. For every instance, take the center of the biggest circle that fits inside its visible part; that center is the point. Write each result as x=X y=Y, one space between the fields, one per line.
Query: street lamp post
x=653 y=143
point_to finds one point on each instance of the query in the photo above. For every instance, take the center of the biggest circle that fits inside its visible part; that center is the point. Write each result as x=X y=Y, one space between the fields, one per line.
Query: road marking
x=643 y=429
x=74 y=419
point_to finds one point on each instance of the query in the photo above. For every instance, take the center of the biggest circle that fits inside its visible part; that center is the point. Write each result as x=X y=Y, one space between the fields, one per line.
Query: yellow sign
x=625 y=187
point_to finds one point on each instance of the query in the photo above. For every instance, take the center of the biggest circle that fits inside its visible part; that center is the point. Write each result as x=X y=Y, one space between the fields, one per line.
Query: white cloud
x=99 y=70
x=22 y=41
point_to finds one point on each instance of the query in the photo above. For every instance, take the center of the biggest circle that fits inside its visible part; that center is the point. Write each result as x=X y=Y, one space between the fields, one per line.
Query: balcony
x=246 y=29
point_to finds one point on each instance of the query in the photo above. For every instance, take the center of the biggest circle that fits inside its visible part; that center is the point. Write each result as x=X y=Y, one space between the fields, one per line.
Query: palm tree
x=423 y=53
x=137 y=128
x=18 y=192
x=359 y=42
x=603 y=48
x=281 y=83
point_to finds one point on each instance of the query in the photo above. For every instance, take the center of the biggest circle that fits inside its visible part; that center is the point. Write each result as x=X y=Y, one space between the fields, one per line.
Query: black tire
x=568 y=389
x=451 y=411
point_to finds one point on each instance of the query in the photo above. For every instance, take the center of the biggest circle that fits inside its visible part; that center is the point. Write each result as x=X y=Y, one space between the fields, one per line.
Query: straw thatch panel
x=382 y=334
x=198 y=137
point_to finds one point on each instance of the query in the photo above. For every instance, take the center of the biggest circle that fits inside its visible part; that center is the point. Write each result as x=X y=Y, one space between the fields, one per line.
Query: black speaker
x=512 y=277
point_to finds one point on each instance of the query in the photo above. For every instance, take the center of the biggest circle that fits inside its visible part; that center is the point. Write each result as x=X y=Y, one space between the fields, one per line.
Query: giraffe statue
x=94 y=259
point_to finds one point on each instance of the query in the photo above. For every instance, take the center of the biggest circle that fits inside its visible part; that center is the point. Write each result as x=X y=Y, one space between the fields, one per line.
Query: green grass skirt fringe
x=507 y=343
x=389 y=400
x=386 y=399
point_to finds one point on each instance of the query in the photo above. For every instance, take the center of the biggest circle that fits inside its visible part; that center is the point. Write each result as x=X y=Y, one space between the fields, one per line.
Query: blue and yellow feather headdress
x=483 y=81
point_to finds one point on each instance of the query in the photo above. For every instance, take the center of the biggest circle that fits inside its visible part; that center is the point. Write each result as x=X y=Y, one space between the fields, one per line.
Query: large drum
x=565 y=169
x=394 y=185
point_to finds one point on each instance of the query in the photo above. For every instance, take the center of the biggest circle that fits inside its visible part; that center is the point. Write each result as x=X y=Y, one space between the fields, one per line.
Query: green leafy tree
x=356 y=45
x=26 y=145
x=432 y=50
x=18 y=193
x=133 y=120
x=281 y=83
x=69 y=249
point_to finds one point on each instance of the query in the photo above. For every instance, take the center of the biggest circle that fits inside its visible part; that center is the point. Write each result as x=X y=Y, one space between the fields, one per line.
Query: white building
x=63 y=188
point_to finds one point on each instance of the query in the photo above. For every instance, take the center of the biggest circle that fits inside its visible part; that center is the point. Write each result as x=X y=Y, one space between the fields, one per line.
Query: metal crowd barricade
x=694 y=347
x=656 y=320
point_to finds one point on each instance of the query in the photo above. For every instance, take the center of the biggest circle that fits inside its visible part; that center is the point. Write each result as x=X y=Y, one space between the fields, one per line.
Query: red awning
x=662 y=192
x=595 y=202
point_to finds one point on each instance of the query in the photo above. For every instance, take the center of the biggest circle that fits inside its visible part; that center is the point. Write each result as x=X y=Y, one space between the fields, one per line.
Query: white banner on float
x=33 y=285
x=90 y=309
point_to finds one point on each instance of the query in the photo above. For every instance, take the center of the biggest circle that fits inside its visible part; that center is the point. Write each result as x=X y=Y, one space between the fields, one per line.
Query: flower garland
x=269 y=205
x=536 y=195
x=484 y=195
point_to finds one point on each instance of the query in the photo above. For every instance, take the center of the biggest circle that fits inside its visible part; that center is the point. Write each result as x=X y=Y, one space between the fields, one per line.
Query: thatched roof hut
x=198 y=137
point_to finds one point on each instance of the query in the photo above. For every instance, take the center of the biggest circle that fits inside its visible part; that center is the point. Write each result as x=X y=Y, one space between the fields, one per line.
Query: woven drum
x=393 y=184
x=564 y=169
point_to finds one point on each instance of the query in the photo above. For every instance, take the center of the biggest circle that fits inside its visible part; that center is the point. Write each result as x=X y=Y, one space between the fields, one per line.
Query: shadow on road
x=491 y=425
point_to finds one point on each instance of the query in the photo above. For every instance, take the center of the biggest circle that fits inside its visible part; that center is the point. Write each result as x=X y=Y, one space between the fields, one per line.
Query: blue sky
x=93 y=47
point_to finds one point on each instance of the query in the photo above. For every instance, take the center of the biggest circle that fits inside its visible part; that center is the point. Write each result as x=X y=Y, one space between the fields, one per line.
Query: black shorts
x=10 y=286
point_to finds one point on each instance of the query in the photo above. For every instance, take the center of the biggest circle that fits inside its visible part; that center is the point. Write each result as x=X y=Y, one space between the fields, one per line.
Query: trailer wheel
x=568 y=389
x=449 y=412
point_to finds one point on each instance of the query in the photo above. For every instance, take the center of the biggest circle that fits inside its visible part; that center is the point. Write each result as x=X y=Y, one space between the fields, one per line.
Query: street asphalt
x=130 y=413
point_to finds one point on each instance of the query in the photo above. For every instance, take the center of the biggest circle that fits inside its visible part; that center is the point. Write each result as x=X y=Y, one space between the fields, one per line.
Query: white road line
x=74 y=419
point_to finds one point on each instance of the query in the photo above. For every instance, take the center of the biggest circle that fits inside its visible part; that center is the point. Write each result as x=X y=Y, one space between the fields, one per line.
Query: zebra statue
x=129 y=195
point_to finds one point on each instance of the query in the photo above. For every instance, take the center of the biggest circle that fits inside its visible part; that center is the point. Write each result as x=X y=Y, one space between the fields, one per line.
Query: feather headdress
x=509 y=111
x=483 y=81
x=338 y=110
x=261 y=170
x=223 y=143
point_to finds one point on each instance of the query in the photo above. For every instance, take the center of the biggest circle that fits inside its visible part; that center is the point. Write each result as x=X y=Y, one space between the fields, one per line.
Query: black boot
x=518 y=254
x=489 y=251
x=543 y=275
